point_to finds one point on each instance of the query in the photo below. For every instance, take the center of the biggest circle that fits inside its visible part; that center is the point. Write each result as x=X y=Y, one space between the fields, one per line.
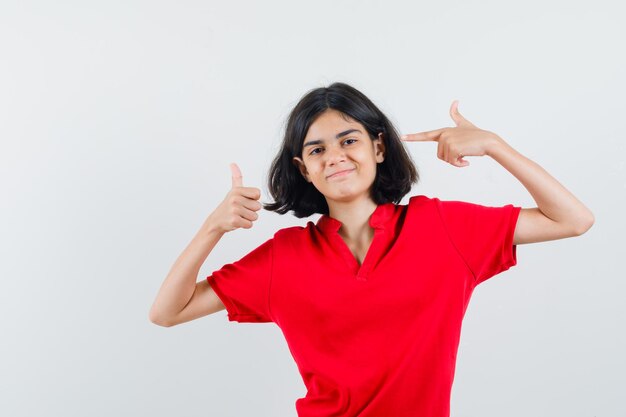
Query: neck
x=354 y=217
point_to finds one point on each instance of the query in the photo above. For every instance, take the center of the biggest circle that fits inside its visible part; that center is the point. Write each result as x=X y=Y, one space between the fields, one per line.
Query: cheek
x=314 y=166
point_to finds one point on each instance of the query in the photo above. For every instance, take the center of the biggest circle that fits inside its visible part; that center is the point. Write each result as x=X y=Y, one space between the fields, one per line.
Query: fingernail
x=403 y=137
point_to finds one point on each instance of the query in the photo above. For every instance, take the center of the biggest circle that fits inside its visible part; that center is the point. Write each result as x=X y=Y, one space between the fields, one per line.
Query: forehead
x=329 y=123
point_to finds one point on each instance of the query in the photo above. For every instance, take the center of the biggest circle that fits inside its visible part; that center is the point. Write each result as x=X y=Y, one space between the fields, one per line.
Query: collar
x=378 y=219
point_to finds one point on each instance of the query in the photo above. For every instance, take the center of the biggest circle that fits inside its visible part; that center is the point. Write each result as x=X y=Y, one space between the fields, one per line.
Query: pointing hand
x=454 y=143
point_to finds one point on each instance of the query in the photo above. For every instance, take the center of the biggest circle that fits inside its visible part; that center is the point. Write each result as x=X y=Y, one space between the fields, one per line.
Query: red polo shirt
x=381 y=338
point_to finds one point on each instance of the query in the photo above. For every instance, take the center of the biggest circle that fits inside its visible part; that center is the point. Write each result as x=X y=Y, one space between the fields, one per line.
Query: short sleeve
x=482 y=235
x=243 y=286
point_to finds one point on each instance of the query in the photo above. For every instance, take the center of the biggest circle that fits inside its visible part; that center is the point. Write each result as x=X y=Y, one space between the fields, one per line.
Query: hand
x=457 y=142
x=239 y=206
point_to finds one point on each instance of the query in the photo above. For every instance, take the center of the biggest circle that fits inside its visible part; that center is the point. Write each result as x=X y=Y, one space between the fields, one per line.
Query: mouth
x=340 y=173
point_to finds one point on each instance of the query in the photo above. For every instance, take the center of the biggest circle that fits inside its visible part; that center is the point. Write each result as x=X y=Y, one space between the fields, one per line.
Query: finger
x=237 y=180
x=442 y=151
x=456 y=115
x=249 y=192
x=243 y=223
x=424 y=136
x=250 y=203
x=453 y=154
x=247 y=214
x=457 y=158
x=460 y=162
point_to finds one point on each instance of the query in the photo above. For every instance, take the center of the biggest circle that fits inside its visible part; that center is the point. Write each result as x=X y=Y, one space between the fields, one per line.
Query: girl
x=370 y=298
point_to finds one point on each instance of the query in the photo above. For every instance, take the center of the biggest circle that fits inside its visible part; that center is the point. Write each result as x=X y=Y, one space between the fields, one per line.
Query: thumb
x=457 y=117
x=455 y=114
x=236 y=175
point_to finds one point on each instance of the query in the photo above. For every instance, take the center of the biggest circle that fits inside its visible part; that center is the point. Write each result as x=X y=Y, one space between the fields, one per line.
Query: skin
x=559 y=214
x=348 y=195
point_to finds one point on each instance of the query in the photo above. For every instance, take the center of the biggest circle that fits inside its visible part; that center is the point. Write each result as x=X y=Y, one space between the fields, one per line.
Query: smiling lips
x=340 y=173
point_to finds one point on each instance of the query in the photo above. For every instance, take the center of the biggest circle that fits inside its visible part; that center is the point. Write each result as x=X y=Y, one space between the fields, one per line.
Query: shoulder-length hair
x=394 y=176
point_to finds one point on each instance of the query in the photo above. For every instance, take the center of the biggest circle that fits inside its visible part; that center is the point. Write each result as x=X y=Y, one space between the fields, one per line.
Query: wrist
x=496 y=145
x=209 y=227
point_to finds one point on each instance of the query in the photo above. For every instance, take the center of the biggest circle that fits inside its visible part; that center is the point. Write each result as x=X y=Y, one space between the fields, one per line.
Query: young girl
x=370 y=298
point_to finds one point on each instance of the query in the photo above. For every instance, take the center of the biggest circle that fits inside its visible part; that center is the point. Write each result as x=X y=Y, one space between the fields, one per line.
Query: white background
x=117 y=124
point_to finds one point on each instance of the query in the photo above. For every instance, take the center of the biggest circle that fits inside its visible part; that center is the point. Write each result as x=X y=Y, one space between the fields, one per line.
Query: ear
x=301 y=167
x=379 y=145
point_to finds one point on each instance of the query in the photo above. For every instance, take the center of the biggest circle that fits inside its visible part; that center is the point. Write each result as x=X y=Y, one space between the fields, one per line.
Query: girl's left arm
x=559 y=214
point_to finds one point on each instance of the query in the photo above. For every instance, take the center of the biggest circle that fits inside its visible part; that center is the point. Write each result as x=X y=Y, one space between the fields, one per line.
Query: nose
x=335 y=154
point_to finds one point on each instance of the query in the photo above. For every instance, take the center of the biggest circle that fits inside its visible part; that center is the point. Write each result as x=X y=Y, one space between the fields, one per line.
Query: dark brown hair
x=394 y=176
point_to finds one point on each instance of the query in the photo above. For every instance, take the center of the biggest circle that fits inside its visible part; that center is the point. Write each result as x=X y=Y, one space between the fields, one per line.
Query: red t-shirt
x=381 y=338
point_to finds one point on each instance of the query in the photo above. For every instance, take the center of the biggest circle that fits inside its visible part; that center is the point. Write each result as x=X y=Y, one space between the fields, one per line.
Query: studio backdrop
x=118 y=122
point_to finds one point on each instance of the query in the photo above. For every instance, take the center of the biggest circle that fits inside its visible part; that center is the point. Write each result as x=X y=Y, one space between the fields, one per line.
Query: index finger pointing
x=424 y=136
x=237 y=179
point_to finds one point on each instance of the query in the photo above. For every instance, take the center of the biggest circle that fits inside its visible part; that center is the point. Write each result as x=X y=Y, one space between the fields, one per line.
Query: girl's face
x=339 y=157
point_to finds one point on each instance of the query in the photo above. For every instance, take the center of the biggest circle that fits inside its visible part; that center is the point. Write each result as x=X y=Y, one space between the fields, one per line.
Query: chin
x=344 y=195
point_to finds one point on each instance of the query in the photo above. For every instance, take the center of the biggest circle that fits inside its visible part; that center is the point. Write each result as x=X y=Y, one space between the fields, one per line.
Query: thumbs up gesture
x=239 y=206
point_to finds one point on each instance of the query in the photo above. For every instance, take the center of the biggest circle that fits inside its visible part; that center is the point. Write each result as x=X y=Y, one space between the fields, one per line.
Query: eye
x=315 y=149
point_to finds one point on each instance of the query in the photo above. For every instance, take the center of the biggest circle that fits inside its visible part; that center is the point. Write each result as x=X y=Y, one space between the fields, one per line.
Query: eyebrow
x=318 y=141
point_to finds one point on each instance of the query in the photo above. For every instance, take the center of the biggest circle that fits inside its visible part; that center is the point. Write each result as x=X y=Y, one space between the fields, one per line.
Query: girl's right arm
x=181 y=298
